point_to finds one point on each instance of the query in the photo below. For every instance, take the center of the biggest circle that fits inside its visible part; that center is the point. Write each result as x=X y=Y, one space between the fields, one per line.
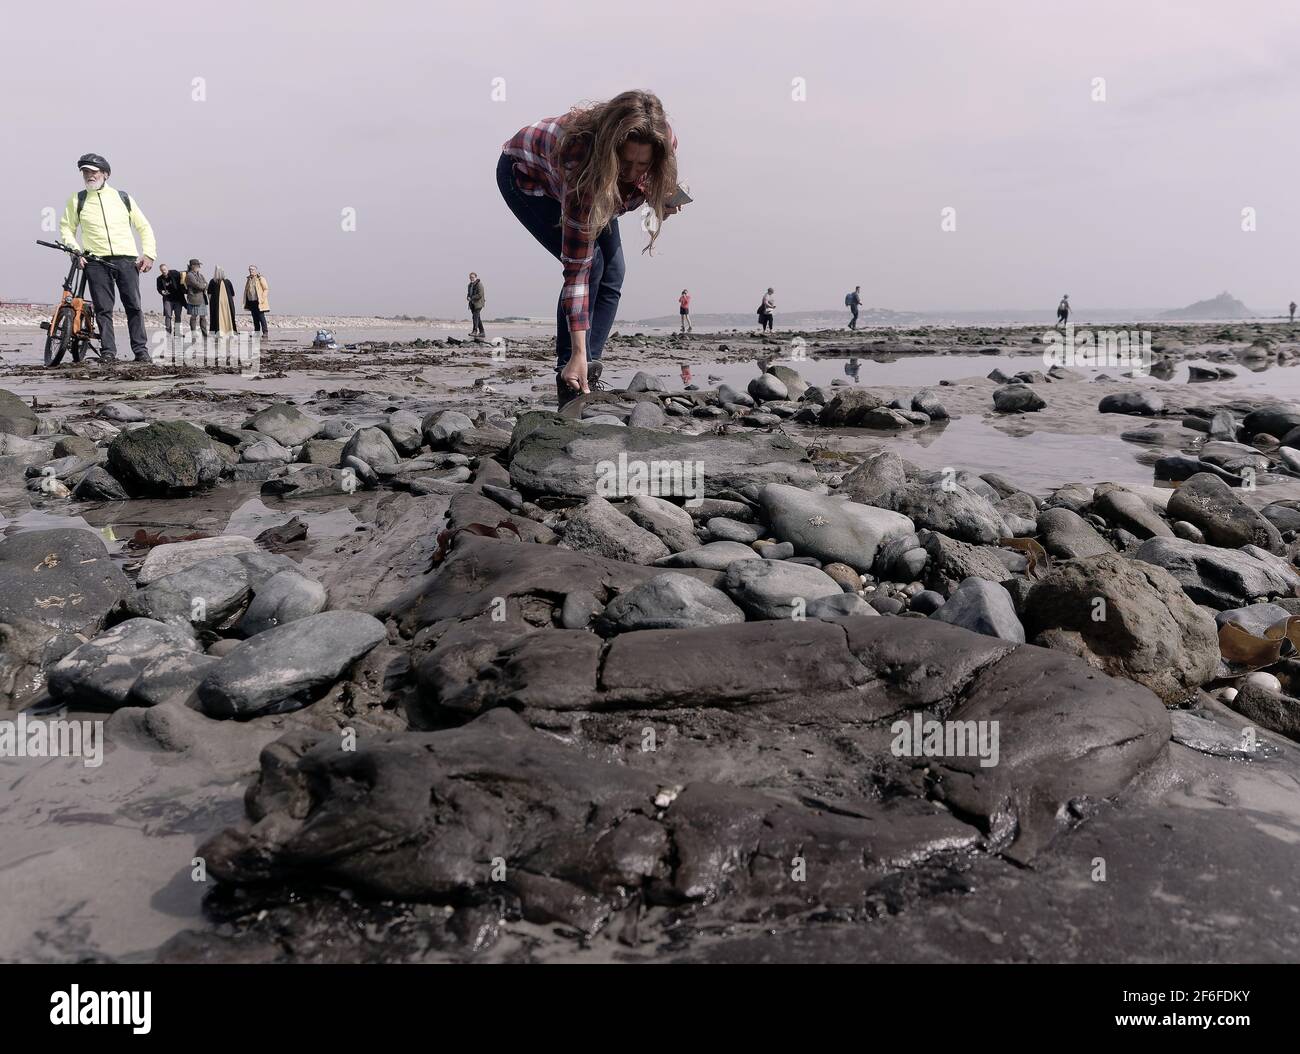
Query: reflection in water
x=852 y=368
x=325 y=517
x=41 y=520
x=222 y=510
x=1040 y=461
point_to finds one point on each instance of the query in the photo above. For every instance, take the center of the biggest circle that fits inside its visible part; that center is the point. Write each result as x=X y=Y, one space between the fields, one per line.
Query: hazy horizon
x=390 y=111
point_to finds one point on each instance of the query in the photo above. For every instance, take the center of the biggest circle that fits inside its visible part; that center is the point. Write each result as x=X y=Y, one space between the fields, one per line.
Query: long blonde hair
x=591 y=141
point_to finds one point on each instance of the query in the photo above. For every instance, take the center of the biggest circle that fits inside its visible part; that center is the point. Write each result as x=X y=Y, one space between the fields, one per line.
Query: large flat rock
x=62 y=578
x=550 y=454
x=772 y=738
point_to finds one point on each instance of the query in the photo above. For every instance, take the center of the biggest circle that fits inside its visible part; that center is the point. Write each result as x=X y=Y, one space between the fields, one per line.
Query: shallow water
x=928 y=370
x=226 y=509
x=1038 y=460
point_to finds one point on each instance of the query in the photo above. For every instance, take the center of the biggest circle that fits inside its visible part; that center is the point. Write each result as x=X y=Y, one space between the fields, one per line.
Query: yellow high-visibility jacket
x=106 y=225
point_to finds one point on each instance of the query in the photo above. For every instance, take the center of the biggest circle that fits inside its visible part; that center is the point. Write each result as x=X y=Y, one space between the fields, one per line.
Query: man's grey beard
x=96 y=183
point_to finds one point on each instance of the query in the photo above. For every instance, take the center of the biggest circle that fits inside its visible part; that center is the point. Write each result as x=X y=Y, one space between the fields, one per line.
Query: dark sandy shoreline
x=1200 y=839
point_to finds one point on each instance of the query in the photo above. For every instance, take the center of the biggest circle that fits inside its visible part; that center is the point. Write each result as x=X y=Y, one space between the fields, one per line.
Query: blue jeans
x=541 y=216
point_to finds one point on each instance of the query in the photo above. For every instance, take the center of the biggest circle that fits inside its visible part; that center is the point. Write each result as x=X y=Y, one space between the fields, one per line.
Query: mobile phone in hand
x=679 y=198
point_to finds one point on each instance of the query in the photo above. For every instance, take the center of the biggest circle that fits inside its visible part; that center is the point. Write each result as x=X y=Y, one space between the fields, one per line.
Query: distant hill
x=1222 y=306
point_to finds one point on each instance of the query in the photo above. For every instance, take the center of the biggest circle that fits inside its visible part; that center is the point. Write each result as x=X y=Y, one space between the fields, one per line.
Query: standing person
x=106 y=217
x=766 y=309
x=854 y=301
x=221 y=304
x=255 y=299
x=1292 y=310
x=173 y=296
x=684 y=303
x=196 y=296
x=476 y=299
x=567 y=180
x=1063 y=310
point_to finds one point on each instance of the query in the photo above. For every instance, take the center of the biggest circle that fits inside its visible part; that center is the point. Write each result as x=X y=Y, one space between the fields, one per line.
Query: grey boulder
x=101 y=673
x=599 y=528
x=284 y=667
x=671 y=523
x=830 y=529
x=1224 y=519
x=284 y=423
x=1017 y=398
x=948 y=508
x=1129 y=619
x=670 y=601
x=286 y=597
x=372 y=446
x=164 y=457
x=713 y=556
x=983 y=607
x=1221 y=578
x=771 y=589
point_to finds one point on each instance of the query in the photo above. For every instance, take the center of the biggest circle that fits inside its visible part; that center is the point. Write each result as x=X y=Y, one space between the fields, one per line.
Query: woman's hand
x=672 y=210
x=574 y=373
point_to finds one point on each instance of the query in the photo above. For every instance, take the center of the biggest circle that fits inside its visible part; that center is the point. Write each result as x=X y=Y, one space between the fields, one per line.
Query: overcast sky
x=386 y=108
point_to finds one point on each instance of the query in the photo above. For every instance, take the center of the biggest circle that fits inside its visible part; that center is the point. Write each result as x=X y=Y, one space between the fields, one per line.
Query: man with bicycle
x=106 y=217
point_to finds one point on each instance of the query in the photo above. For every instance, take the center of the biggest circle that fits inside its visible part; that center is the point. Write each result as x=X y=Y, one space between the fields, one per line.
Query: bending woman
x=567 y=179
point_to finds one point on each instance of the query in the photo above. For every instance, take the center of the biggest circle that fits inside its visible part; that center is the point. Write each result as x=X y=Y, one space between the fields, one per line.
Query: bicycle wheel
x=59 y=337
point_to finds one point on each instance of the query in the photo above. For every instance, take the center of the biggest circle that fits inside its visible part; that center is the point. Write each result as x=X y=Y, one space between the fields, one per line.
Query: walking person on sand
x=1063 y=310
x=567 y=179
x=1293 y=311
x=221 y=304
x=854 y=301
x=477 y=300
x=256 y=301
x=766 y=309
x=684 y=303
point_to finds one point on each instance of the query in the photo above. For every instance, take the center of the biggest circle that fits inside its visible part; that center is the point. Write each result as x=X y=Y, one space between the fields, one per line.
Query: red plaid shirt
x=540 y=171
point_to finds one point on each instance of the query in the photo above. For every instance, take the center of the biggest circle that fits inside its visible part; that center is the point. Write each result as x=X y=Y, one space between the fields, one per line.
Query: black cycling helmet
x=94 y=161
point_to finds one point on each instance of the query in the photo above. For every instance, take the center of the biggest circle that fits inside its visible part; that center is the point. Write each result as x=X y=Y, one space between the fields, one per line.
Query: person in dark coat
x=476 y=298
x=172 y=291
x=221 y=304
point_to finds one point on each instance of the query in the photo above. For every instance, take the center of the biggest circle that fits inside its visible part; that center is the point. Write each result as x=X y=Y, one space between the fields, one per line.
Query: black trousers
x=172 y=312
x=853 y=322
x=477 y=314
x=259 y=316
x=103 y=275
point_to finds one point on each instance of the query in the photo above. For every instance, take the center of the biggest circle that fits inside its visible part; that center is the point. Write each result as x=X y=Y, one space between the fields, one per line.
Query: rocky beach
x=895 y=645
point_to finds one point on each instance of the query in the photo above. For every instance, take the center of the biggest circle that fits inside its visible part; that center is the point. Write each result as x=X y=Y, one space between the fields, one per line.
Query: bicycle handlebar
x=66 y=249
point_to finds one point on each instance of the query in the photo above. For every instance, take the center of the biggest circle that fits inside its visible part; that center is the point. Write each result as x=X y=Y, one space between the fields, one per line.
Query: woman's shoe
x=593 y=377
x=563 y=393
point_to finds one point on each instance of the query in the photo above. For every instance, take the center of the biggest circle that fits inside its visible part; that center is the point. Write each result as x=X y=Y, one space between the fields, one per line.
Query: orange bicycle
x=71 y=329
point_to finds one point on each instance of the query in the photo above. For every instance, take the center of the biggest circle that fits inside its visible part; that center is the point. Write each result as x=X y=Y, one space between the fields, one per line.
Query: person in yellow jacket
x=107 y=217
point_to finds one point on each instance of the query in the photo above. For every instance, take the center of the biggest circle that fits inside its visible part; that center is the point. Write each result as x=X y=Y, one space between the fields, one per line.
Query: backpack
x=81 y=201
x=848 y=299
